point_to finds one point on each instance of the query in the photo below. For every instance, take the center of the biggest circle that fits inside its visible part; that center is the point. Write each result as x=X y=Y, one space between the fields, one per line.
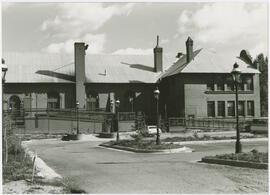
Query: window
x=241 y=108
x=92 y=101
x=248 y=80
x=211 y=109
x=221 y=108
x=210 y=86
x=229 y=82
x=53 y=100
x=231 y=108
x=220 y=83
x=241 y=83
x=250 y=108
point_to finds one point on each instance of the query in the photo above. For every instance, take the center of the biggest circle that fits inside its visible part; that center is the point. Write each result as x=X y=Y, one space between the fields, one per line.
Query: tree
x=263 y=67
x=260 y=63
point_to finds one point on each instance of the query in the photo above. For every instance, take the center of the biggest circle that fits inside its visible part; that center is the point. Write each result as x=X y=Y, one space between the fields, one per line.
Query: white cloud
x=133 y=51
x=95 y=42
x=226 y=23
x=76 y=19
x=164 y=41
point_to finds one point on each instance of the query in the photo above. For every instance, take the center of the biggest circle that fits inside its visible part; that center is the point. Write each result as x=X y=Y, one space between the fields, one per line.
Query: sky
x=131 y=28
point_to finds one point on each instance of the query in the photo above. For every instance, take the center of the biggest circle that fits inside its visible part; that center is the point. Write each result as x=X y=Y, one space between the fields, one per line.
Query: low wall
x=62 y=126
x=56 y=126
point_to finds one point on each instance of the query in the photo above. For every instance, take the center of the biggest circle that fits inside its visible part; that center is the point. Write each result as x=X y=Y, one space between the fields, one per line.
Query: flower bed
x=253 y=156
x=253 y=159
x=144 y=144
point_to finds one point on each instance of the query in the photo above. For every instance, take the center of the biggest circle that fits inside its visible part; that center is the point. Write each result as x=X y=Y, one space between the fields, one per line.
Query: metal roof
x=22 y=67
x=206 y=61
x=107 y=68
x=99 y=68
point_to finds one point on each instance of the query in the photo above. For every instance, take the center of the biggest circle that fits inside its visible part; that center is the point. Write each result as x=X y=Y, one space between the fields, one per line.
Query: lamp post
x=131 y=102
x=117 y=104
x=236 y=73
x=156 y=95
x=4 y=71
x=77 y=114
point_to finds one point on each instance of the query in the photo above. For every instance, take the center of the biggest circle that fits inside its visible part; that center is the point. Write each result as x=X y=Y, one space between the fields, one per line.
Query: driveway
x=101 y=170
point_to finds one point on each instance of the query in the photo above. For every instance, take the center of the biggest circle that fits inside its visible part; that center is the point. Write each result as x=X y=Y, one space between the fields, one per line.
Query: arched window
x=92 y=101
x=14 y=105
x=14 y=102
x=53 y=100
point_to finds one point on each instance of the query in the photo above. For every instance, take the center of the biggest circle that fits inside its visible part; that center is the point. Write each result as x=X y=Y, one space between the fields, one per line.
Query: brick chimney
x=79 y=56
x=158 y=57
x=189 y=48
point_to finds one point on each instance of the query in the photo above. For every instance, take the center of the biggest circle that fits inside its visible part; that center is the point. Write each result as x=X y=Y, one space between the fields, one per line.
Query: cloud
x=76 y=19
x=133 y=51
x=226 y=23
x=164 y=41
x=95 y=41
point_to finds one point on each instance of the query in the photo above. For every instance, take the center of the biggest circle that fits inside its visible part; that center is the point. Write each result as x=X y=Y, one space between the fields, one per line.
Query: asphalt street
x=94 y=169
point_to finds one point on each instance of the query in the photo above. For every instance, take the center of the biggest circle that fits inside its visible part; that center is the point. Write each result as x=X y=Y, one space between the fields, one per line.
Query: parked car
x=152 y=129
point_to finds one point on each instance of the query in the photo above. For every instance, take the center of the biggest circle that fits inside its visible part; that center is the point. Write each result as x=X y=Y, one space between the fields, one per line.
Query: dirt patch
x=24 y=187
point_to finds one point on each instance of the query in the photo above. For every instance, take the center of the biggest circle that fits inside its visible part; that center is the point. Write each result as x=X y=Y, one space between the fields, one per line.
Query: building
x=199 y=85
x=195 y=85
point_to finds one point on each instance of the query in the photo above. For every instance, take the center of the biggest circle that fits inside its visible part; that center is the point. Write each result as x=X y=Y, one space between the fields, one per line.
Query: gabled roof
x=99 y=68
x=206 y=61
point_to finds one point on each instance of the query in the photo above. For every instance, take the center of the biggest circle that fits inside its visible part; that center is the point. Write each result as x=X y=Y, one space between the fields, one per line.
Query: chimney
x=179 y=55
x=256 y=65
x=189 y=47
x=158 y=57
x=79 y=56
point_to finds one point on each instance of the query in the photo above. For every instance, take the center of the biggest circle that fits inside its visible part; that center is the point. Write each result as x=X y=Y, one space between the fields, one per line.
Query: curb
x=219 y=141
x=175 y=150
x=43 y=170
x=235 y=163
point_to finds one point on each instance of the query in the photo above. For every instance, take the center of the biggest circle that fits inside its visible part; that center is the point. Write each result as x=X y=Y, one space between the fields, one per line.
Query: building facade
x=195 y=85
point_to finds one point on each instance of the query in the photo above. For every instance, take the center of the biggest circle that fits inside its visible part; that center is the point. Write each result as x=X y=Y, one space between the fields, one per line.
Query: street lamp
x=156 y=95
x=117 y=104
x=236 y=73
x=4 y=71
x=77 y=114
x=131 y=101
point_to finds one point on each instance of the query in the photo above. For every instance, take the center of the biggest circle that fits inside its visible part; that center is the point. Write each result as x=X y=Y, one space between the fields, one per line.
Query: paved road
x=100 y=170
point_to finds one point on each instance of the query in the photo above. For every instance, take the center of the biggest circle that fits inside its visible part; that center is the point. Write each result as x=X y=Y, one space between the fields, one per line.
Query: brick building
x=196 y=84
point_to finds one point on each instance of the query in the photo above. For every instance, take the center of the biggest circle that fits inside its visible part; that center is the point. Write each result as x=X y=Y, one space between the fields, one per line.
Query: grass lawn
x=144 y=144
x=252 y=156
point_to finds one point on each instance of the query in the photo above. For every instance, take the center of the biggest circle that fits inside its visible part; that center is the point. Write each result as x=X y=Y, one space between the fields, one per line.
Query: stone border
x=43 y=169
x=175 y=150
x=237 y=163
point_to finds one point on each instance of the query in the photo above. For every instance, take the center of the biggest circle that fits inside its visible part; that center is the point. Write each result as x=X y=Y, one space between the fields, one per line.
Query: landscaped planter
x=173 y=150
x=237 y=163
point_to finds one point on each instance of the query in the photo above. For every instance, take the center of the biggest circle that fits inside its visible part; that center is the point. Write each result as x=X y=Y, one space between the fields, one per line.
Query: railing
x=210 y=123
x=127 y=116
